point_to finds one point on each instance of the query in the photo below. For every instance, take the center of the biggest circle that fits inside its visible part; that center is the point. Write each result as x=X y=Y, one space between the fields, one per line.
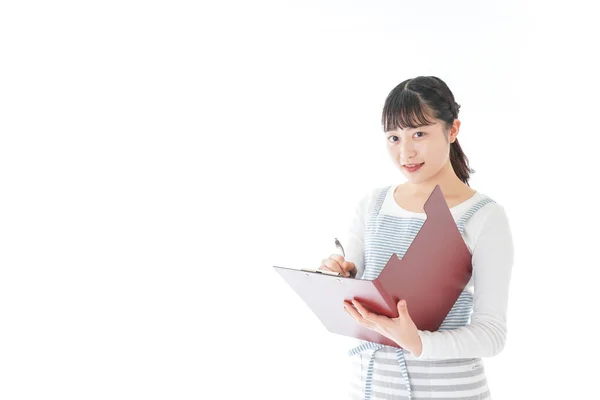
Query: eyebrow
x=416 y=128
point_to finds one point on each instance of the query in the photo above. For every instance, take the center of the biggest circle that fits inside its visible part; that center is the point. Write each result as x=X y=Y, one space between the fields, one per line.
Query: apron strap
x=369 y=378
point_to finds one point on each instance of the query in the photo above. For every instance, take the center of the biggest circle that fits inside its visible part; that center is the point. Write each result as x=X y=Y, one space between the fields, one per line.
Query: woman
x=420 y=122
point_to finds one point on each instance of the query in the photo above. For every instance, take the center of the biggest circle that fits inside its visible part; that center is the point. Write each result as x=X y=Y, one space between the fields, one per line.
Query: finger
x=357 y=317
x=381 y=320
x=339 y=258
x=346 y=266
x=403 y=313
x=402 y=309
x=352 y=311
x=382 y=330
x=342 y=262
x=333 y=265
x=350 y=267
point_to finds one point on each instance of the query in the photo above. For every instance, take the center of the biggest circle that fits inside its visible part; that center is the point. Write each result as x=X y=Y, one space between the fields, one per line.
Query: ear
x=454 y=131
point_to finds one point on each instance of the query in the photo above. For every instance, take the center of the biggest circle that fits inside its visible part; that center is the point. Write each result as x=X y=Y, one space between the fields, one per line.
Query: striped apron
x=385 y=235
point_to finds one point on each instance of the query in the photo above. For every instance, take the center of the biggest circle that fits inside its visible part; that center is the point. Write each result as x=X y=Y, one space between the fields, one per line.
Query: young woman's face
x=426 y=147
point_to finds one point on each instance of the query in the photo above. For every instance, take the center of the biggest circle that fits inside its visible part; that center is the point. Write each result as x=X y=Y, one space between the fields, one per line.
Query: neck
x=446 y=178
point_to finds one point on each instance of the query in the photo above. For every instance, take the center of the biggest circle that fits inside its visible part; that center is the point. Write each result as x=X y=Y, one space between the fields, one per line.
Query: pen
x=339 y=246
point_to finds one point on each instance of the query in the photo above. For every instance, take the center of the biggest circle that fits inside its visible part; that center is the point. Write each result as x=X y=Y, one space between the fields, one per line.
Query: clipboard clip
x=321 y=271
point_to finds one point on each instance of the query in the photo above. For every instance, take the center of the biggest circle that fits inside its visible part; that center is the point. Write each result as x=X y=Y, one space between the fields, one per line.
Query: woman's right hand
x=336 y=263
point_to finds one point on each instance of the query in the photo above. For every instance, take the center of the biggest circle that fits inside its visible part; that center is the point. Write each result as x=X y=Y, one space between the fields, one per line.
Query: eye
x=389 y=138
x=422 y=134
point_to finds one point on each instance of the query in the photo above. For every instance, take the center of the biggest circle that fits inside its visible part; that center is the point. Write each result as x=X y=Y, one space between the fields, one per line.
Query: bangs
x=404 y=109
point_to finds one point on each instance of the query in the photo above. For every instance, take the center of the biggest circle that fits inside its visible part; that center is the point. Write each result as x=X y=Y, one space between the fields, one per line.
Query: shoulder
x=370 y=197
x=488 y=215
x=485 y=206
x=367 y=200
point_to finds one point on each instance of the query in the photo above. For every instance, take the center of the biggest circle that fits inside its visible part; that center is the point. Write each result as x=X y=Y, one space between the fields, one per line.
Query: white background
x=158 y=158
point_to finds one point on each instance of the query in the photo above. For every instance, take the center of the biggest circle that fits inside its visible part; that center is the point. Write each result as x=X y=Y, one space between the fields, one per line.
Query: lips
x=412 y=167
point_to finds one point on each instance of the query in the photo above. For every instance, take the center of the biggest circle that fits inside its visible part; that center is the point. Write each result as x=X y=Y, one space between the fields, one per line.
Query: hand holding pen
x=337 y=263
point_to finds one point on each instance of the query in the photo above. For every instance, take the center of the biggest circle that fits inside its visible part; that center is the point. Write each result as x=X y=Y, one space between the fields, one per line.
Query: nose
x=407 y=150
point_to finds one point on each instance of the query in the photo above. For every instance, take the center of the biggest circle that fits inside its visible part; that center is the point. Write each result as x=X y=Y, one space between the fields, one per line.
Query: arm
x=353 y=238
x=492 y=261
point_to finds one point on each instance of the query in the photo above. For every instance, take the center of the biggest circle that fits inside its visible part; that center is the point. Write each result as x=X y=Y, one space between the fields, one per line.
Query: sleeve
x=352 y=238
x=492 y=261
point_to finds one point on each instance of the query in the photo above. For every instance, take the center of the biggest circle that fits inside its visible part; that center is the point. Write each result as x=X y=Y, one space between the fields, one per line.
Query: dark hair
x=413 y=101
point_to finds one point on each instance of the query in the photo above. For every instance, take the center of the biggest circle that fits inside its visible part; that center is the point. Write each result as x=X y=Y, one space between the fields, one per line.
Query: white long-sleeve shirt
x=488 y=237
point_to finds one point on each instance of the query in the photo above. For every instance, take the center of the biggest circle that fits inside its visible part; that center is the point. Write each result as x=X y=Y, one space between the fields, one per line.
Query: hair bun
x=455 y=109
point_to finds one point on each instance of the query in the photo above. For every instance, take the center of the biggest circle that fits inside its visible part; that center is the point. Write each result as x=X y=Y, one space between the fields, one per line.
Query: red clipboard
x=431 y=276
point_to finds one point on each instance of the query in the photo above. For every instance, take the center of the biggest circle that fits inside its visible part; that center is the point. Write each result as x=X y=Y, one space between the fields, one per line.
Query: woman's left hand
x=401 y=330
